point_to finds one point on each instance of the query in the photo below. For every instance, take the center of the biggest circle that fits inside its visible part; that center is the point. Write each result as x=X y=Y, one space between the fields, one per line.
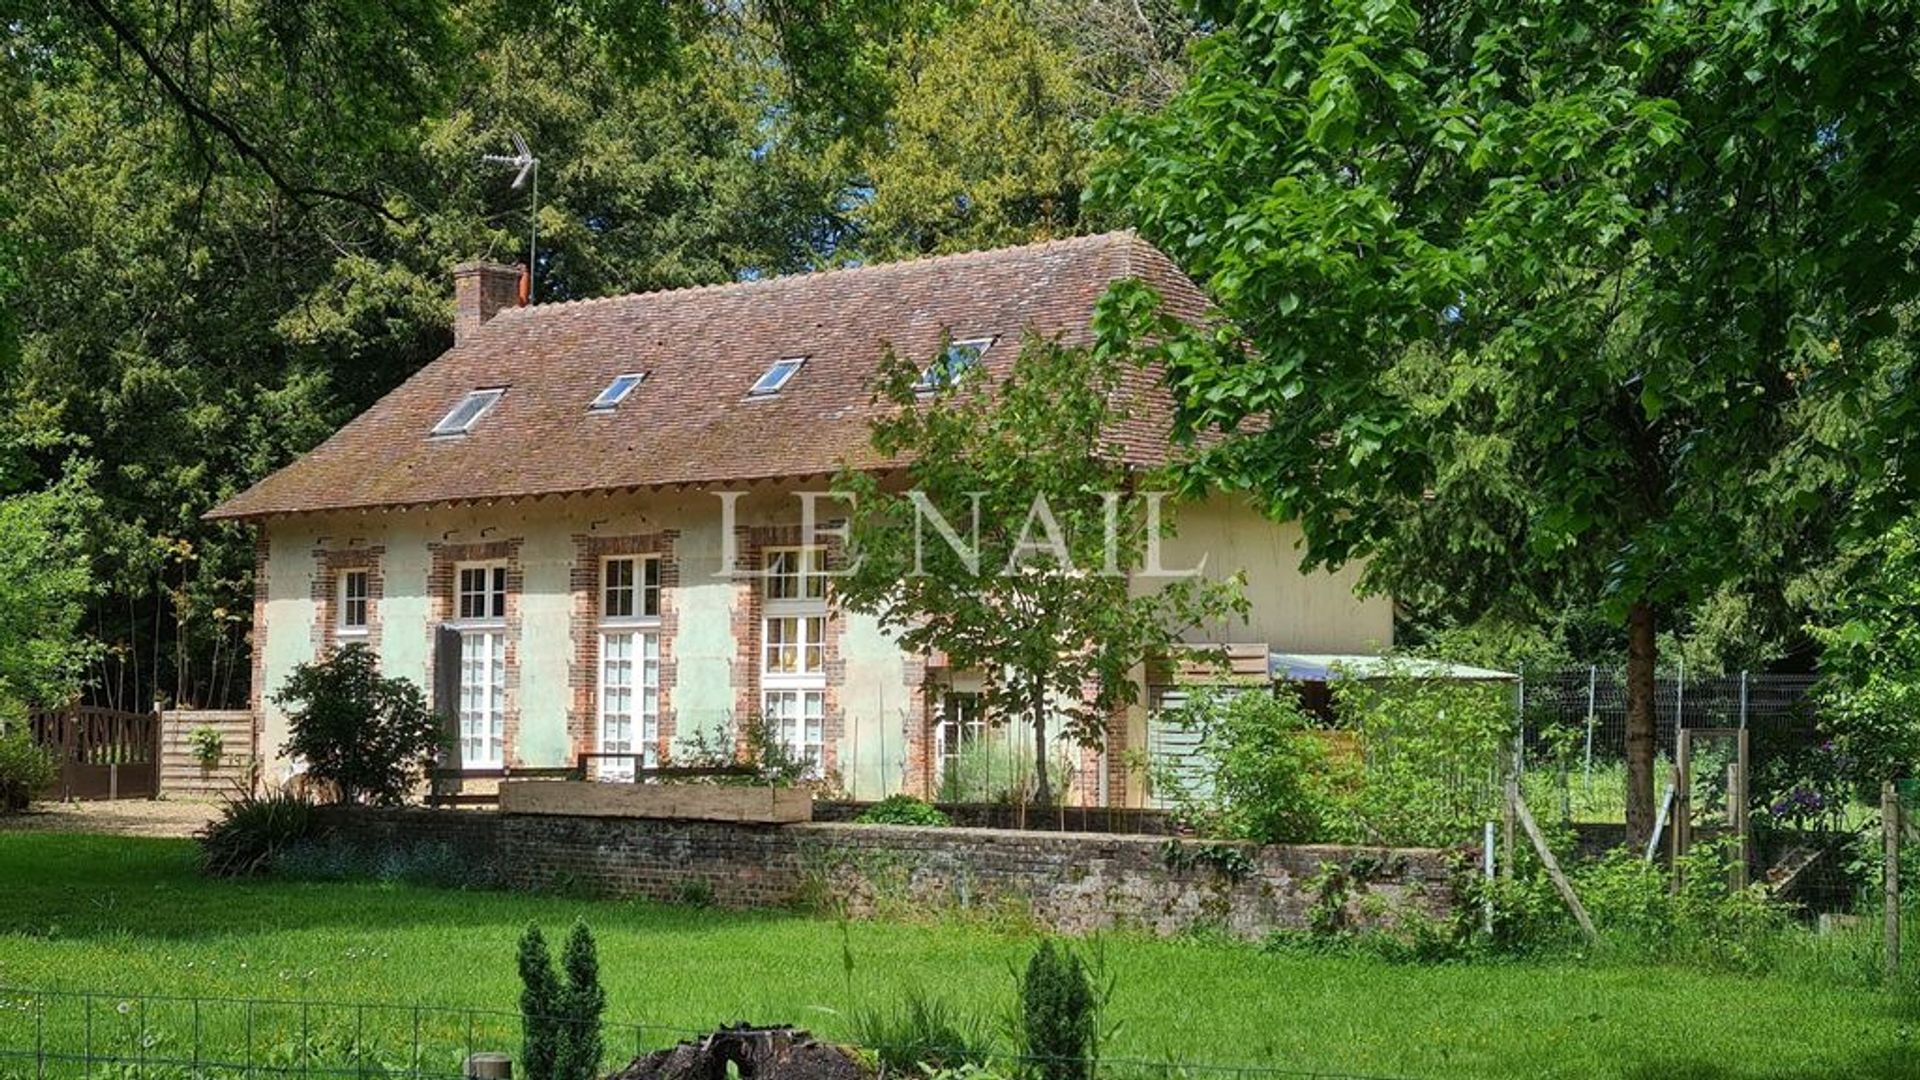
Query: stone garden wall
x=1070 y=882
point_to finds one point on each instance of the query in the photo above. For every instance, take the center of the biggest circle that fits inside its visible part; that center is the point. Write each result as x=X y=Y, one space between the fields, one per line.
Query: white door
x=629 y=702
x=483 y=699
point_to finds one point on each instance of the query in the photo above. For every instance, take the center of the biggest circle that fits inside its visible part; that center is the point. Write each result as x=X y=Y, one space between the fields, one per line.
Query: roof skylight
x=461 y=418
x=617 y=390
x=953 y=363
x=777 y=376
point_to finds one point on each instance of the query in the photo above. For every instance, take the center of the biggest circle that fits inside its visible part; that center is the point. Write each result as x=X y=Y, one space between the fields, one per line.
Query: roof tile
x=692 y=422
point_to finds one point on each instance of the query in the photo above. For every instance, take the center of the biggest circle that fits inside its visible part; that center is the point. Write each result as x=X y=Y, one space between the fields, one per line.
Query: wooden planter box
x=680 y=802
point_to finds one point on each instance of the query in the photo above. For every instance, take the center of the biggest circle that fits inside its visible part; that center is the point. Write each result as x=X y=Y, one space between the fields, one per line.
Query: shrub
x=1263 y=778
x=371 y=737
x=1059 y=1022
x=206 y=745
x=540 y=1032
x=582 y=1002
x=773 y=762
x=1429 y=748
x=253 y=832
x=1704 y=922
x=26 y=768
x=560 y=1020
x=922 y=1035
x=903 y=810
x=993 y=769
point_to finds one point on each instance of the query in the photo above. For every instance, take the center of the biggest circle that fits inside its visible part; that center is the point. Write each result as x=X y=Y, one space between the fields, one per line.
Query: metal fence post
x=1520 y=725
x=1743 y=701
x=1680 y=702
x=489 y=1066
x=1593 y=680
x=1890 y=833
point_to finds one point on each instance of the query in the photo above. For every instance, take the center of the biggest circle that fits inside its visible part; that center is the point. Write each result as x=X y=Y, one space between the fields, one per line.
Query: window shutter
x=446 y=690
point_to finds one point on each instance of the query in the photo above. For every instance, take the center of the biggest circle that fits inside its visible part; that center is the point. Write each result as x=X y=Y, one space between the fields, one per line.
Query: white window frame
x=642 y=629
x=493 y=591
x=943 y=372
x=344 y=624
x=476 y=404
x=807 y=683
x=645 y=593
x=487 y=632
x=617 y=391
x=967 y=730
x=777 y=377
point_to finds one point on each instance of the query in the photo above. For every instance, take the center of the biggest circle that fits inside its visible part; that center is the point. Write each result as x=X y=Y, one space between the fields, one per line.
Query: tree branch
x=200 y=112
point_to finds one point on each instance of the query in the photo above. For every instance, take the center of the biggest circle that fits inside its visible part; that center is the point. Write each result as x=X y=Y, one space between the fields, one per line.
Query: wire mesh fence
x=87 y=1035
x=1574 y=728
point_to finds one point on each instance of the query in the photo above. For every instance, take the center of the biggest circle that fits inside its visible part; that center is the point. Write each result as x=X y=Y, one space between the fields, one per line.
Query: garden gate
x=103 y=753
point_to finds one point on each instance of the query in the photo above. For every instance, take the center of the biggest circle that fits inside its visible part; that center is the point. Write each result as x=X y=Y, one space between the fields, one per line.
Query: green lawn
x=131 y=916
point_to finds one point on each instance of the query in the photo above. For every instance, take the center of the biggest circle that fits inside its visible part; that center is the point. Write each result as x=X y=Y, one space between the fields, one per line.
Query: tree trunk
x=1640 y=724
x=1043 y=785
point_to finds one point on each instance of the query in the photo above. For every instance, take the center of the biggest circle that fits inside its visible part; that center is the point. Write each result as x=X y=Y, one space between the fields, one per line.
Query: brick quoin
x=583 y=672
x=441 y=582
x=329 y=564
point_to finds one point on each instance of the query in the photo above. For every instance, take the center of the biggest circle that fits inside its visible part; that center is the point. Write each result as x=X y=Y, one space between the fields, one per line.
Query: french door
x=629 y=701
x=483 y=699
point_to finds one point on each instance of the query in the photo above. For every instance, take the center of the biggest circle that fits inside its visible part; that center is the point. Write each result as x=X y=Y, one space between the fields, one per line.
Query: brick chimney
x=480 y=291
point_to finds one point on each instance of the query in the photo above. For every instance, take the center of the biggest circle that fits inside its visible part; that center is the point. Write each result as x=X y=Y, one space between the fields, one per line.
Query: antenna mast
x=522 y=158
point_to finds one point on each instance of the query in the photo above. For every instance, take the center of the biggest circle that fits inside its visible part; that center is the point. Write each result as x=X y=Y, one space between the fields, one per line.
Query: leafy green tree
x=1870 y=658
x=45 y=581
x=986 y=142
x=582 y=1002
x=1535 y=305
x=542 y=1038
x=192 y=326
x=1036 y=594
x=371 y=736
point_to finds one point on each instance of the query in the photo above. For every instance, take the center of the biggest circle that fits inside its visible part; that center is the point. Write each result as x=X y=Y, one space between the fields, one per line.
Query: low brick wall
x=1070 y=882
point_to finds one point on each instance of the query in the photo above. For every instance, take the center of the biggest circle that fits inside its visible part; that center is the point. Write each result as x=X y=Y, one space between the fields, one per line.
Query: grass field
x=131 y=916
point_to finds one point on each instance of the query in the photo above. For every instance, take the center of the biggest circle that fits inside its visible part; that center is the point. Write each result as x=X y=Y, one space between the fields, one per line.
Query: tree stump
x=756 y=1053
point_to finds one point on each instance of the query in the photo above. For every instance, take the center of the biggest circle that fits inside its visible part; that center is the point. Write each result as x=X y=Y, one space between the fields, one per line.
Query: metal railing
x=96 y=1035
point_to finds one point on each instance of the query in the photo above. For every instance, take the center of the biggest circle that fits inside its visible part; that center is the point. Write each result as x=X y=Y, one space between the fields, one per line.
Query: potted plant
x=206 y=746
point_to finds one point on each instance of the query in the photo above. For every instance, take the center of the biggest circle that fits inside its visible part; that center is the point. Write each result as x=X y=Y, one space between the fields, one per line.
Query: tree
x=1533 y=304
x=1034 y=588
x=45 y=581
x=191 y=326
x=1871 y=661
x=560 y=1016
x=986 y=142
x=1059 y=1016
x=582 y=1002
x=540 y=992
x=371 y=736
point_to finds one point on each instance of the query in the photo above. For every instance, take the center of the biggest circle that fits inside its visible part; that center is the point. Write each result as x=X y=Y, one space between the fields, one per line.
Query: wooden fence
x=103 y=753
x=183 y=771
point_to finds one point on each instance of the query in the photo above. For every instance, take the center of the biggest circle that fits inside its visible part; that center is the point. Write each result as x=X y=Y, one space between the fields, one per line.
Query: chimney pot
x=480 y=291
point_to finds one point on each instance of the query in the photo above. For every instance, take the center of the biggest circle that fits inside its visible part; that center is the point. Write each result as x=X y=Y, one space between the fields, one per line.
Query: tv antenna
x=522 y=158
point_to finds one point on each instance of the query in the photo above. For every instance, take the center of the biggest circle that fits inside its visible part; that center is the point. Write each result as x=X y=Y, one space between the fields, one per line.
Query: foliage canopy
x=1541 y=301
x=1032 y=587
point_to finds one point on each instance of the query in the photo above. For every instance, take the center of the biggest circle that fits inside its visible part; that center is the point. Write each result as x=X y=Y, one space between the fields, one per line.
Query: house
x=565 y=488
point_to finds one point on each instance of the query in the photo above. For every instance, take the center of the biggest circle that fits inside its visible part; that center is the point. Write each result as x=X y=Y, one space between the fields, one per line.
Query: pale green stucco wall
x=1291 y=610
x=704 y=646
x=877 y=706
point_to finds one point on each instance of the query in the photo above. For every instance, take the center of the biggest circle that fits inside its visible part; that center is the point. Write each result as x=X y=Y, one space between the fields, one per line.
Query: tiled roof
x=691 y=422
